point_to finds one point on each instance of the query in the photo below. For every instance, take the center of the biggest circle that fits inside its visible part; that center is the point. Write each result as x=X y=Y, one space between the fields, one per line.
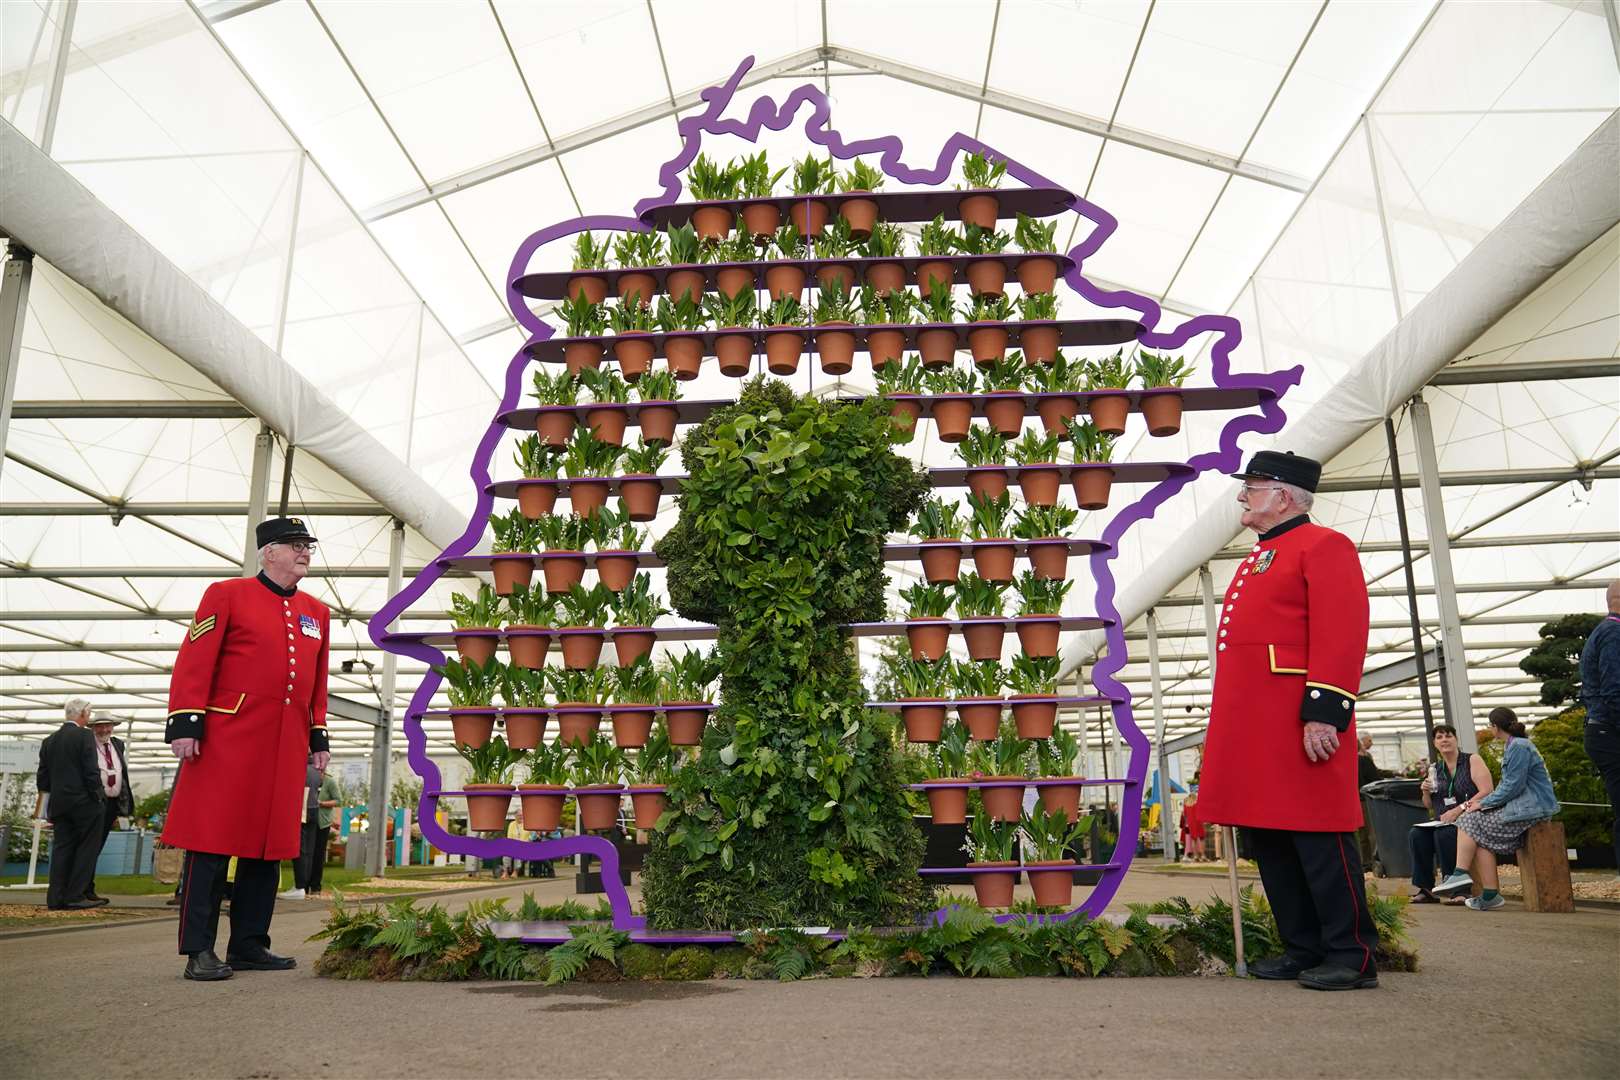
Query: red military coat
x=1292 y=641
x=250 y=682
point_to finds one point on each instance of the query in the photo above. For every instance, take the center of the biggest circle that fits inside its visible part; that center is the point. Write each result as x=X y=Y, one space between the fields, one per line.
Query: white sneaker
x=291 y=894
x=1479 y=903
x=1459 y=881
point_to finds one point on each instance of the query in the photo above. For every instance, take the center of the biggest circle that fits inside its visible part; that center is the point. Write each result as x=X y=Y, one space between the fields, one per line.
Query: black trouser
x=1603 y=747
x=109 y=822
x=1425 y=843
x=253 y=901
x=313 y=855
x=306 y=845
x=75 y=844
x=1314 y=884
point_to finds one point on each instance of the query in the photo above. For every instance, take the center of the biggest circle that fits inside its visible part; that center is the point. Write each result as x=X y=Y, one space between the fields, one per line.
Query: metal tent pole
x=258 y=498
x=1166 y=834
x=14 y=278
x=382 y=735
x=1411 y=585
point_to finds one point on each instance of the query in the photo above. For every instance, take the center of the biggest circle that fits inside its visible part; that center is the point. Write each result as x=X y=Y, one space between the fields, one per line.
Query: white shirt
x=107 y=765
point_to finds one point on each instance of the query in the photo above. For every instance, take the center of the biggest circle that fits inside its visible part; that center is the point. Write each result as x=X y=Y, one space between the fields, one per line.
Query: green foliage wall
x=793 y=814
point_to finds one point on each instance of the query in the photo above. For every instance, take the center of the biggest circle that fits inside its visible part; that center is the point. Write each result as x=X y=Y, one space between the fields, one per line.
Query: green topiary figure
x=792 y=815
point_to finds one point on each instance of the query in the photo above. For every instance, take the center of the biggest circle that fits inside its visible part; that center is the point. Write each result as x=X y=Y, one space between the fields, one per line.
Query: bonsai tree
x=1041 y=596
x=475 y=612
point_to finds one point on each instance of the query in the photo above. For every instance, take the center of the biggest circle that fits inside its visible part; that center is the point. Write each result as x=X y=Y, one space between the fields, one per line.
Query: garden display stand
x=1254 y=397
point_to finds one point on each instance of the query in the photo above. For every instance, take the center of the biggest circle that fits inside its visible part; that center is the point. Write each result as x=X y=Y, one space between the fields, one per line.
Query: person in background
x=114 y=773
x=306 y=832
x=1453 y=779
x=1494 y=824
x=1367 y=769
x=326 y=812
x=1192 y=830
x=71 y=787
x=1600 y=693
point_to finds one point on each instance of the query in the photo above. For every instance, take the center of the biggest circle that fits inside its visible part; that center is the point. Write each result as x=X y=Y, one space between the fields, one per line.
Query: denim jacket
x=1526 y=792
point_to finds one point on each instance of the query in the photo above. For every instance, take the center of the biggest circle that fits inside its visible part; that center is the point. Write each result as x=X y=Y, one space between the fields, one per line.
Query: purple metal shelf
x=551 y=710
x=1043 y=781
x=442 y=638
x=686 y=412
x=1065 y=622
x=965 y=871
x=478 y=563
x=1125 y=472
x=1091 y=699
x=648 y=560
x=508 y=489
x=900 y=552
x=1035 y=200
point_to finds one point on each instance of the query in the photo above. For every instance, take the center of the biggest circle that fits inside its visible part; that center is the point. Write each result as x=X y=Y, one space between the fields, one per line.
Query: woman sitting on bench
x=1493 y=826
x=1454 y=778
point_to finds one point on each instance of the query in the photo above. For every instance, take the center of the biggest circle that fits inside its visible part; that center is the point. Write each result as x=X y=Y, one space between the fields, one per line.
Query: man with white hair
x=113 y=770
x=71 y=786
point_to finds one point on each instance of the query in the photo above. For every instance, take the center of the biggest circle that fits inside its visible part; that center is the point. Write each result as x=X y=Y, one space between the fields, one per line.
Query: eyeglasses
x=299 y=545
x=1250 y=489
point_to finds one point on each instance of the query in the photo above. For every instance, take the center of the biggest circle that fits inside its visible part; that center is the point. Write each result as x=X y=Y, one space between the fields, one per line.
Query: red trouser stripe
x=1355 y=926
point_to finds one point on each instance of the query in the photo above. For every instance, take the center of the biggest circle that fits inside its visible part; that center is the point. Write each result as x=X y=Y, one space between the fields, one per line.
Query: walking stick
x=1237 y=910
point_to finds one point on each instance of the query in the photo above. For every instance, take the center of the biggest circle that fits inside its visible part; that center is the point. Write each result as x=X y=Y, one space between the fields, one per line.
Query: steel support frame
x=382 y=735
x=1411 y=585
x=1548 y=371
x=1584 y=472
x=15 y=275
x=108 y=506
x=258 y=497
x=1167 y=836
x=1459 y=542
x=63 y=46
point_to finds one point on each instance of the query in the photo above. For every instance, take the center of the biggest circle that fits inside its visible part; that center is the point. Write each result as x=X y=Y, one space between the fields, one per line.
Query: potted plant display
x=978 y=599
x=589 y=254
x=1109 y=410
x=1035 y=235
x=652 y=772
x=980 y=177
x=635 y=610
x=984 y=452
x=681 y=322
x=944 y=771
x=544 y=786
x=785 y=276
x=530 y=614
x=634 y=685
x=488 y=786
x=1057 y=758
x=635 y=252
x=589 y=463
x=937 y=242
x=1005 y=762
x=885 y=246
x=607 y=416
x=685 y=279
x=835 y=243
x=1004 y=387
x=992 y=849
x=953 y=389
x=987 y=336
x=734 y=258
x=884 y=314
x=1059 y=384
x=564 y=538
x=1162 y=378
x=618 y=547
x=1051 y=871
x=579 y=697
x=582 y=610
x=1092 y=478
x=902 y=385
x=707 y=181
x=524 y=692
x=924 y=688
x=986 y=276
x=657 y=415
x=811 y=176
x=472 y=688
x=939 y=529
x=1040 y=604
x=755 y=180
x=927 y=631
x=477 y=621
x=1045 y=529
x=516 y=537
x=734 y=315
x=993 y=547
x=537 y=461
x=1038 y=475
x=978 y=696
x=936 y=342
x=555 y=426
x=1039 y=333
x=686 y=684
x=836 y=312
x=1032 y=677
x=585 y=322
x=598 y=776
x=784 y=335
x=632 y=322
x=639 y=487
x=860 y=214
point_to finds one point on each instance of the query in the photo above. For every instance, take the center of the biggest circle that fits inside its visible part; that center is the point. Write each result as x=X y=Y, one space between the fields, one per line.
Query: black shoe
x=75 y=905
x=1424 y=896
x=91 y=895
x=260 y=960
x=173 y=901
x=98 y=901
x=1282 y=967
x=206 y=967
x=1337 y=977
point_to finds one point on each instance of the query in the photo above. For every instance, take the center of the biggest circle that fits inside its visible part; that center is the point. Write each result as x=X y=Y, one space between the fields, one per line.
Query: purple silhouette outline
x=765 y=113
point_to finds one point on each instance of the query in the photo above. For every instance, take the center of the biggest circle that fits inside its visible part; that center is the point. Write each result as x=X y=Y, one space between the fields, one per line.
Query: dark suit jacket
x=126 y=797
x=67 y=771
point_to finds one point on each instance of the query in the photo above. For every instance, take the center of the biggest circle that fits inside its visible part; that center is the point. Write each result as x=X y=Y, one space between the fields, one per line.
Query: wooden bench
x=1544 y=869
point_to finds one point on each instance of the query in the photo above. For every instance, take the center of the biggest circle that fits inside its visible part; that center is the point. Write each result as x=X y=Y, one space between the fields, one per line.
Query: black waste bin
x=1392 y=807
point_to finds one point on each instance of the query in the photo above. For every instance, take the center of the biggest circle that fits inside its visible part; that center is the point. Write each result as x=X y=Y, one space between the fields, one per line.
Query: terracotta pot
x=934 y=270
x=836 y=277
x=1091 y=486
x=562 y=570
x=685 y=723
x=638 y=284
x=631 y=645
x=476 y=648
x=1035 y=719
x=525 y=729
x=1054 y=887
x=712 y=222
x=640 y=495
x=1108 y=412
x=586 y=497
x=953 y=415
x=541 y=806
x=1039 y=485
x=946 y=805
x=941 y=561
x=782 y=350
x=886 y=277
x=885 y=347
x=905 y=411
x=987 y=481
x=487 y=805
x=598 y=806
x=835 y=349
x=527 y=650
x=984 y=639
x=993 y=890
x=657 y=422
x=1040 y=343
x=923 y=720
x=1037 y=275
x=681 y=283
x=556 y=425
x=929 y=638
x=1003 y=803
x=987 y=343
x=784 y=279
x=634 y=352
x=735 y=353
x=1005 y=411
x=536 y=500
x=684 y=355
x=510 y=572
x=577 y=721
x=1162 y=411
x=649 y=805
x=608 y=422
x=809 y=216
x=937 y=347
x=1054 y=410
x=615 y=569
x=631 y=726
x=1038 y=634
x=471 y=727
x=734 y=279
x=1062 y=797
x=987 y=277
x=581 y=651
x=861 y=215
x=980 y=210
x=1050 y=561
x=579 y=355
x=761 y=220
x=591 y=286
x=982 y=716
x=994 y=562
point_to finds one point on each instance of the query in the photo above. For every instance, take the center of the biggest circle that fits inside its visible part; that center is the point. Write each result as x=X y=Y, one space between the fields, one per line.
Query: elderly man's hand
x=1321 y=740
x=320 y=759
x=186 y=749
